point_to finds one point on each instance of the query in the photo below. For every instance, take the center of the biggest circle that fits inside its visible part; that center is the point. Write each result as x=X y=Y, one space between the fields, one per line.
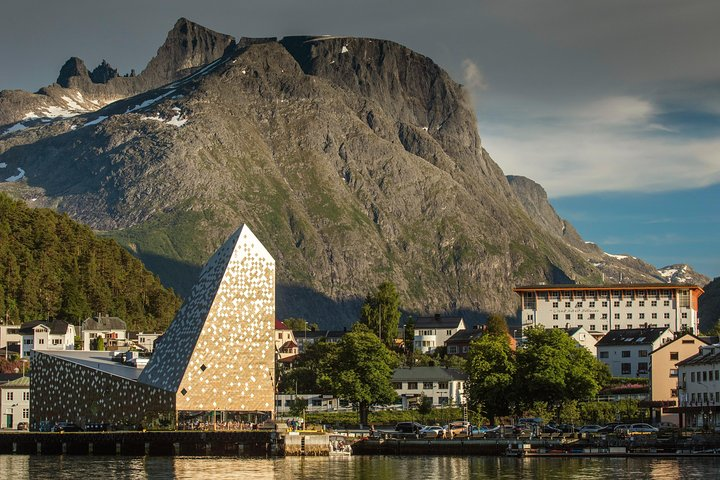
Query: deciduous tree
x=491 y=370
x=381 y=313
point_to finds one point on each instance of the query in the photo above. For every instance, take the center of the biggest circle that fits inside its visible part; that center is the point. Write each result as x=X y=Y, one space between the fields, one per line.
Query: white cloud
x=472 y=76
x=603 y=146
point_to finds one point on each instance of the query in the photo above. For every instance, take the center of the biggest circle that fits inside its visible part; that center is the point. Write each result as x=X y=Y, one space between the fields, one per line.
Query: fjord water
x=379 y=467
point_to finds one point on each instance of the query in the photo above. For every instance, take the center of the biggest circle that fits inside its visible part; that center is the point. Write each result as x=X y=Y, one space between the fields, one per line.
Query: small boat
x=340 y=445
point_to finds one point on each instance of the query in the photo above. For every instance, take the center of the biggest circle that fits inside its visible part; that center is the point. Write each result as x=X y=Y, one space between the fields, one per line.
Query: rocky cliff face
x=355 y=161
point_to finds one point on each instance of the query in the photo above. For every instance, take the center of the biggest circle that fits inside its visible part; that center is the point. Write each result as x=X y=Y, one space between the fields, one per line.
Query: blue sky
x=613 y=106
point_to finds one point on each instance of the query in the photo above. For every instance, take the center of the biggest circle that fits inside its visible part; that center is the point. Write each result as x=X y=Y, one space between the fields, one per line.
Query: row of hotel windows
x=414 y=385
x=604 y=316
x=626 y=294
x=625 y=353
x=431 y=332
x=617 y=326
x=10 y=395
x=626 y=368
x=629 y=303
x=705 y=397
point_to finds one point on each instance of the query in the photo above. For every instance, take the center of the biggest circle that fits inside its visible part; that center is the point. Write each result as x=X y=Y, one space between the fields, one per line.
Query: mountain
x=53 y=267
x=354 y=160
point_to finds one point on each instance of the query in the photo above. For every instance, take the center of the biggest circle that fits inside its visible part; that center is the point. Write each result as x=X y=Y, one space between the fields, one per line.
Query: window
x=628 y=303
x=592 y=328
x=567 y=316
x=604 y=316
x=278 y=403
x=673 y=392
x=626 y=353
x=641 y=303
x=555 y=304
x=603 y=354
x=605 y=327
x=57 y=341
x=9 y=395
x=653 y=303
x=26 y=413
x=397 y=385
x=442 y=385
x=452 y=349
x=684 y=315
x=704 y=375
x=530 y=317
x=280 y=336
x=555 y=316
x=26 y=395
x=629 y=316
x=666 y=303
x=643 y=353
x=578 y=305
x=617 y=316
x=604 y=304
x=428 y=385
x=654 y=316
x=642 y=316
x=692 y=376
x=674 y=356
x=673 y=372
x=592 y=316
x=567 y=304
x=666 y=315
x=580 y=316
x=625 y=368
x=616 y=304
x=642 y=367
x=412 y=386
x=617 y=327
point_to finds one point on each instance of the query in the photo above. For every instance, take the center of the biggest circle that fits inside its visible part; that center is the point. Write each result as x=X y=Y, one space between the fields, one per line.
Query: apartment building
x=600 y=309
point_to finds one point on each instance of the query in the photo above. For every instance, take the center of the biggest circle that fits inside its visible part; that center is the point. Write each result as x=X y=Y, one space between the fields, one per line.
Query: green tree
x=361 y=371
x=312 y=369
x=552 y=368
x=491 y=369
x=381 y=313
x=425 y=407
x=497 y=325
x=409 y=335
x=298 y=407
x=294 y=323
x=100 y=344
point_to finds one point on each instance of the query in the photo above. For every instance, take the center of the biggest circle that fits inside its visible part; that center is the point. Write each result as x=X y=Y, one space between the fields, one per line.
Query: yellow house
x=664 y=375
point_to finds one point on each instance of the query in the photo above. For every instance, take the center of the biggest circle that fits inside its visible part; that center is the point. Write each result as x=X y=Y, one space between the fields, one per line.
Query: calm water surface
x=336 y=468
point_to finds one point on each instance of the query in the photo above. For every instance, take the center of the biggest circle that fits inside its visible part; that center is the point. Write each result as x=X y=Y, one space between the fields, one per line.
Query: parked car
x=409 y=427
x=590 y=429
x=550 y=429
x=609 y=428
x=457 y=428
x=621 y=428
x=641 y=429
x=433 y=431
x=66 y=427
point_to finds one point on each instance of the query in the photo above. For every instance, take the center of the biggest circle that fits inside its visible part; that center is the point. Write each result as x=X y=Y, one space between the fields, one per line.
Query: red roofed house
x=285 y=344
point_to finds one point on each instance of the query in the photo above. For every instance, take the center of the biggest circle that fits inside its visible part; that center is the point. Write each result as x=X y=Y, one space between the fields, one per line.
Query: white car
x=433 y=431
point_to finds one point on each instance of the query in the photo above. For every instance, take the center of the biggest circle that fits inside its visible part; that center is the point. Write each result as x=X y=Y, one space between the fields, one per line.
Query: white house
x=285 y=344
x=46 y=335
x=444 y=386
x=627 y=352
x=10 y=334
x=583 y=338
x=433 y=332
x=15 y=402
x=113 y=330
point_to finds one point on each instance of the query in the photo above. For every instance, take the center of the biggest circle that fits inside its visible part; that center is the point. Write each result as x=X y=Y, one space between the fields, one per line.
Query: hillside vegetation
x=53 y=267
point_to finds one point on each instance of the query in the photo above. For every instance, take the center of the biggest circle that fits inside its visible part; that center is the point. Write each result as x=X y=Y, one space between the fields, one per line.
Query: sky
x=613 y=106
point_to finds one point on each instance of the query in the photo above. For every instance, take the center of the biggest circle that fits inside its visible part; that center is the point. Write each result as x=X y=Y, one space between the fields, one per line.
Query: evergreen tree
x=381 y=313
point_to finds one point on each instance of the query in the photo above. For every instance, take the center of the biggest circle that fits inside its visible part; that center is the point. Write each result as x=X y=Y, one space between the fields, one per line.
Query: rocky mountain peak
x=74 y=67
x=103 y=73
x=188 y=45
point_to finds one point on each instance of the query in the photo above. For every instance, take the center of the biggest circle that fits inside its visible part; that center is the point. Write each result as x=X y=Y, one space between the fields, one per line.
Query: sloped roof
x=427 y=374
x=437 y=322
x=22 y=382
x=280 y=325
x=631 y=336
x=57 y=327
x=708 y=355
x=104 y=323
x=464 y=336
x=685 y=337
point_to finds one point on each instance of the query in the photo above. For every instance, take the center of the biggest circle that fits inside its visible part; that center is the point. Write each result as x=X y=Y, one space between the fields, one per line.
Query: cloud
x=472 y=76
x=607 y=145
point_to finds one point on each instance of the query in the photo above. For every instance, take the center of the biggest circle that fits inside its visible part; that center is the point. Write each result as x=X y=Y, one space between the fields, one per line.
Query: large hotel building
x=600 y=309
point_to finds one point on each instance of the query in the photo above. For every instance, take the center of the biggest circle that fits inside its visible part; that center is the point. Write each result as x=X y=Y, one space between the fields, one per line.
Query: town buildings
x=444 y=386
x=55 y=335
x=15 y=403
x=216 y=358
x=285 y=344
x=433 y=332
x=112 y=330
x=600 y=309
x=664 y=375
x=627 y=352
x=699 y=388
x=583 y=338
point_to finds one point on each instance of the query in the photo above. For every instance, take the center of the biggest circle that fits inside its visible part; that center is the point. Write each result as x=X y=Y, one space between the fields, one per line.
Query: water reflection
x=337 y=468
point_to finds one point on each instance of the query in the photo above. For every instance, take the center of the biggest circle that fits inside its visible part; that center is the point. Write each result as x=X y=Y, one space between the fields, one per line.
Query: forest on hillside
x=53 y=267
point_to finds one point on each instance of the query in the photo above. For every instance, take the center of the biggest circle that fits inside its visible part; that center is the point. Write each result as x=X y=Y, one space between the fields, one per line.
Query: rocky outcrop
x=73 y=68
